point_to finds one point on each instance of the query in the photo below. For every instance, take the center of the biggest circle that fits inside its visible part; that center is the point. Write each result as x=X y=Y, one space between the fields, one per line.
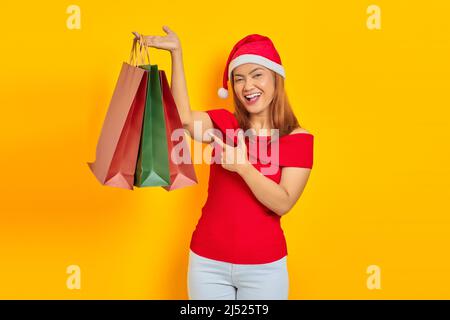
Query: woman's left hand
x=233 y=158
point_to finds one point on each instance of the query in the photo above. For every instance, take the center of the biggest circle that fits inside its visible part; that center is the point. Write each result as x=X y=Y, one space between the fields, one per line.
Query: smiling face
x=254 y=86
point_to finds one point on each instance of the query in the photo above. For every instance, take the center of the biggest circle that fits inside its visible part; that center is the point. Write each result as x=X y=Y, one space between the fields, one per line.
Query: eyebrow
x=250 y=71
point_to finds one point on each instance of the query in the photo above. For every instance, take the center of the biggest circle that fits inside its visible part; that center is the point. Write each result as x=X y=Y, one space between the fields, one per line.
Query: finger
x=136 y=34
x=167 y=29
x=151 y=40
x=146 y=39
x=241 y=139
x=217 y=139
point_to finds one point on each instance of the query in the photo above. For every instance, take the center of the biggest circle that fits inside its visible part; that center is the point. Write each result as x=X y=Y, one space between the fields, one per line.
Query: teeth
x=253 y=95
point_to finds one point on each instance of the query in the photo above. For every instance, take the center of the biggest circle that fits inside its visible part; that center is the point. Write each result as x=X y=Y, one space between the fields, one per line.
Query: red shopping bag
x=181 y=174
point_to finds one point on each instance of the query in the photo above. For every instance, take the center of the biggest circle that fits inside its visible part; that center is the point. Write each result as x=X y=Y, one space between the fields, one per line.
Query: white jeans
x=210 y=279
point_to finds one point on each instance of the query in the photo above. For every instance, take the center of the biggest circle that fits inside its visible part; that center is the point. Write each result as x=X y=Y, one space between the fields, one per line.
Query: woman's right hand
x=168 y=42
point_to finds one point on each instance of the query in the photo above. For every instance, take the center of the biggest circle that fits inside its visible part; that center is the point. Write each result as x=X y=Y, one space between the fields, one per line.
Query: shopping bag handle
x=138 y=43
x=136 y=58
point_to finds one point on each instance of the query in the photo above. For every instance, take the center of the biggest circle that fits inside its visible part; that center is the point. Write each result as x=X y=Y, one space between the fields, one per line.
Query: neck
x=260 y=121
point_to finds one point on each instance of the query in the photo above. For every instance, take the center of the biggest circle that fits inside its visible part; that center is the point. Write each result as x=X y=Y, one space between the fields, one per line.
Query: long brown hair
x=281 y=115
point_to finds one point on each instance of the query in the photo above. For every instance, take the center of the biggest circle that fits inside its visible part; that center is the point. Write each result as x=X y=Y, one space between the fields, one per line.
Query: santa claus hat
x=254 y=48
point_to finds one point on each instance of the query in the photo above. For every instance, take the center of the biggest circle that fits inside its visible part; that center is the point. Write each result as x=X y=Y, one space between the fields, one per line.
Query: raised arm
x=179 y=91
x=180 y=94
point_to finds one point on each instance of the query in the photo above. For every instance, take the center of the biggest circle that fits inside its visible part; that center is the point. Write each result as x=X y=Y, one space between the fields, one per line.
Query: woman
x=238 y=249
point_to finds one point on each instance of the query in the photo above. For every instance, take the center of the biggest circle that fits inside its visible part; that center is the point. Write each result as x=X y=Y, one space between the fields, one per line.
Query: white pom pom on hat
x=223 y=93
x=253 y=48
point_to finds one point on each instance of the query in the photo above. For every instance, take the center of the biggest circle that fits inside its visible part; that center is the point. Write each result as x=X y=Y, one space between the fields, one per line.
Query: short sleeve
x=222 y=120
x=296 y=150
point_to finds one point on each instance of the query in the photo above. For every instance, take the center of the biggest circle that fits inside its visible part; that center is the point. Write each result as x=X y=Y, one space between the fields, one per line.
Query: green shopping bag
x=152 y=167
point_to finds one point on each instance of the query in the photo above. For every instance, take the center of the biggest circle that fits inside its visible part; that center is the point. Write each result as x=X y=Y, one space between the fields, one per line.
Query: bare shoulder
x=299 y=130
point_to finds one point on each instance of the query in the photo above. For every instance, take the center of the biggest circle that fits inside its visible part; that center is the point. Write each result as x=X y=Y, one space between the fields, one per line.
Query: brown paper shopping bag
x=118 y=144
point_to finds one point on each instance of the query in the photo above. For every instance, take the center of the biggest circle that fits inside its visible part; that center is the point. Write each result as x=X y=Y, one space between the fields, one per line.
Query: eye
x=237 y=80
x=258 y=75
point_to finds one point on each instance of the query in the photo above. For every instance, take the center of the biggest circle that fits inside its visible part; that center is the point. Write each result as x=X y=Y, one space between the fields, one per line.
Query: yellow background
x=377 y=102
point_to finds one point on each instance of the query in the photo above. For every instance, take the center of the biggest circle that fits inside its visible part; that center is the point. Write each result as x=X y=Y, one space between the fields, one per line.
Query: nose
x=248 y=85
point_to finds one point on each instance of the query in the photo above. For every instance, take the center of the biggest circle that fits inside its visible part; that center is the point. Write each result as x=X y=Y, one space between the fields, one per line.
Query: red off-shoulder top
x=234 y=226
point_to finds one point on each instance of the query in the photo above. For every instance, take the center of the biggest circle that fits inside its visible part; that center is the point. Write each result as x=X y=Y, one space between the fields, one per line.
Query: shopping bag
x=152 y=168
x=182 y=173
x=118 y=144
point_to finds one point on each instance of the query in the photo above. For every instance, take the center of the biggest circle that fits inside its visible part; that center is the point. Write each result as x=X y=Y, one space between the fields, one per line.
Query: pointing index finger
x=217 y=139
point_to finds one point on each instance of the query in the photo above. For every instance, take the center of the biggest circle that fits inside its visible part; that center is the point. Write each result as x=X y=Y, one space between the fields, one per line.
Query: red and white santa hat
x=253 y=48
